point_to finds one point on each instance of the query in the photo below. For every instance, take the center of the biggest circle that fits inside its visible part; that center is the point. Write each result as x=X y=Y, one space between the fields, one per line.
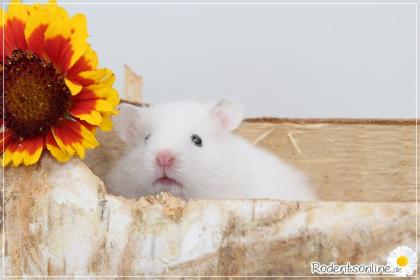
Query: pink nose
x=165 y=158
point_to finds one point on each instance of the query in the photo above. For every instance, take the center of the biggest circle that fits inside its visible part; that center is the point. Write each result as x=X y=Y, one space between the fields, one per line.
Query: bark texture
x=60 y=221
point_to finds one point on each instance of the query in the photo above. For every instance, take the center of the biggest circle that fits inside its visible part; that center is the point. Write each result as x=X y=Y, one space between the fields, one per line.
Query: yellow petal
x=44 y=14
x=106 y=124
x=78 y=27
x=109 y=94
x=31 y=159
x=58 y=153
x=91 y=56
x=93 y=117
x=17 y=157
x=58 y=27
x=103 y=106
x=89 y=139
x=55 y=150
x=103 y=77
x=54 y=11
x=7 y=158
x=3 y=16
x=80 y=150
x=38 y=16
x=79 y=46
x=17 y=10
x=66 y=148
x=113 y=97
x=74 y=88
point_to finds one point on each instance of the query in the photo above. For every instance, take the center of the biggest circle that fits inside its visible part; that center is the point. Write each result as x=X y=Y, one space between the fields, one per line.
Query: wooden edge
x=122 y=100
x=312 y=120
x=333 y=121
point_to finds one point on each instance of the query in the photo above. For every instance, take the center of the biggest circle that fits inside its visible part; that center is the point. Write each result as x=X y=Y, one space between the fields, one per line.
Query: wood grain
x=349 y=161
x=61 y=221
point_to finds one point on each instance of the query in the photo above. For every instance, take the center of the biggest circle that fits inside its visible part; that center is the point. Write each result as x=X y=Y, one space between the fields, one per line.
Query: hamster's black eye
x=197 y=140
x=146 y=138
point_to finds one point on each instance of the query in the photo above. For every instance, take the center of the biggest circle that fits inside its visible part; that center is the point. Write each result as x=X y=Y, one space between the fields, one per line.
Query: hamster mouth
x=166 y=181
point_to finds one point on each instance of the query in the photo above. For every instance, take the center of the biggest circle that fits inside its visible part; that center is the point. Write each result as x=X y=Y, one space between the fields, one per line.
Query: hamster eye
x=146 y=138
x=197 y=140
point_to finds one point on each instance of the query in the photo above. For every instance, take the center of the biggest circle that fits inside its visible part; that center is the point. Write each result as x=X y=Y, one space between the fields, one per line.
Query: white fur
x=225 y=167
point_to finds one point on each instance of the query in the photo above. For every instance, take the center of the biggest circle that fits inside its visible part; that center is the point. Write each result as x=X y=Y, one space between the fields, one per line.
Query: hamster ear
x=127 y=123
x=227 y=113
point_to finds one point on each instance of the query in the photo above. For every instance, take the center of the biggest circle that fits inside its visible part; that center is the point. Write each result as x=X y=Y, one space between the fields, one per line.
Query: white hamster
x=188 y=149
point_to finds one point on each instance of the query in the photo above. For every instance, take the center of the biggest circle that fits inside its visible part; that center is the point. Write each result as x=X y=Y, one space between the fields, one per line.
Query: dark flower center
x=35 y=94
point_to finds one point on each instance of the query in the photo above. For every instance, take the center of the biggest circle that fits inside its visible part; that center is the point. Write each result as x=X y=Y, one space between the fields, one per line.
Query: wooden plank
x=328 y=120
x=349 y=160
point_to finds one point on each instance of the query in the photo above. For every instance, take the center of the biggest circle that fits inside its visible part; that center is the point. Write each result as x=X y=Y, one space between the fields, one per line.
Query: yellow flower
x=55 y=96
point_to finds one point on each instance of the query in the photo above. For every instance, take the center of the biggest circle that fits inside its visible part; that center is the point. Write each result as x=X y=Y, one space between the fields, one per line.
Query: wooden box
x=59 y=220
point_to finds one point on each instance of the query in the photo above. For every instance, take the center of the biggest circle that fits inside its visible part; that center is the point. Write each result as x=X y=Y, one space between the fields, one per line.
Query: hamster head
x=175 y=145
